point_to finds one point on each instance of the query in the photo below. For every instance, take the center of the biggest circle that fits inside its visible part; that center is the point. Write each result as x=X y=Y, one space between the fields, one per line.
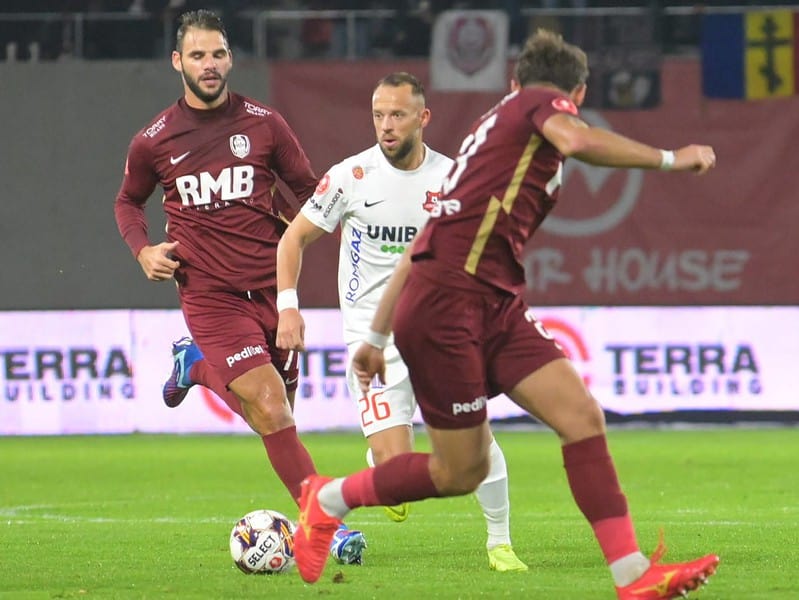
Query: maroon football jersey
x=218 y=171
x=505 y=180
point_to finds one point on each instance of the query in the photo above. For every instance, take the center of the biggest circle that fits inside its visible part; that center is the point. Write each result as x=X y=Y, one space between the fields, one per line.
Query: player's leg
x=554 y=393
x=449 y=381
x=459 y=462
x=267 y=411
x=384 y=445
x=347 y=545
x=492 y=495
x=189 y=369
x=385 y=414
x=388 y=443
x=230 y=329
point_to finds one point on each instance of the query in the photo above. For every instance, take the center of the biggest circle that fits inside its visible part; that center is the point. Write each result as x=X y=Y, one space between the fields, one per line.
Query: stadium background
x=77 y=86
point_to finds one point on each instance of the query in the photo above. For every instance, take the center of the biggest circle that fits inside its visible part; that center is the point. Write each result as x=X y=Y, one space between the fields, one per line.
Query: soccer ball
x=262 y=542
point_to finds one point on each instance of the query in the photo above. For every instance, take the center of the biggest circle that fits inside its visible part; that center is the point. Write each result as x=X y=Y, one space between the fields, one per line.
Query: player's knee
x=388 y=449
x=268 y=411
x=381 y=455
x=462 y=480
x=587 y=422
x=590 y=416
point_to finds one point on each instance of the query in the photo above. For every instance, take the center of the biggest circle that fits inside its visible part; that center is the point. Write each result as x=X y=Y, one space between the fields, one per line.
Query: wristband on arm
x=666 y=160
x=287 y=299
x=378 y=340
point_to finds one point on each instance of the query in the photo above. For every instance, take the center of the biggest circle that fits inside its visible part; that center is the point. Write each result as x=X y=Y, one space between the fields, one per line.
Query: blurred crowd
x=136 y=29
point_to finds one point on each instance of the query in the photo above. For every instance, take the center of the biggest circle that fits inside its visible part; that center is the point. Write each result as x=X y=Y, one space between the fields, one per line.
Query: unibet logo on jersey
x=232 y=183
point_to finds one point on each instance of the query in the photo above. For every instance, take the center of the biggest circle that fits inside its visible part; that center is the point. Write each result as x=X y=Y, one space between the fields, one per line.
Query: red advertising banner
x=616 y=237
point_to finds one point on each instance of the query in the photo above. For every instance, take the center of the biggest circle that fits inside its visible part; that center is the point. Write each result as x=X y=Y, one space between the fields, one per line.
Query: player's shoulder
x=437 y=159
x=547 y=98
x=368 y=157
x=157 y=125
x=354 y=169
x=252 y=107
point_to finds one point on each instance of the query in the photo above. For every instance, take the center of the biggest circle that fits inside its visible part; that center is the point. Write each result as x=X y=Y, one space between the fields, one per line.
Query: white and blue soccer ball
x=262 y=542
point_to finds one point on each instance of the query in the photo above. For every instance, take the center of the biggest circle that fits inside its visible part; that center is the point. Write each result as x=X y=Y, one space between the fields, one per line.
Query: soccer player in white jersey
x=382 y=197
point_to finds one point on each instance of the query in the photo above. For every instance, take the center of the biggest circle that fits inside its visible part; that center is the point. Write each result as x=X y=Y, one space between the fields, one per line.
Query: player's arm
x=289 y=160
x=368 y=360
x=138 y=184
x=597 y=146
x=291 y=326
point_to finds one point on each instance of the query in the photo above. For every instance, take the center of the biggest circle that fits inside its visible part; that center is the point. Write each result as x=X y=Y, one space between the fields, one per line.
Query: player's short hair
x=399 y=78
x=198 y=19
x=547 y=58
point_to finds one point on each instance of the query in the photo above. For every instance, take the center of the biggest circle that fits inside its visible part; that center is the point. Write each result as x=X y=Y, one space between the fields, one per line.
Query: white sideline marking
x=27 y=514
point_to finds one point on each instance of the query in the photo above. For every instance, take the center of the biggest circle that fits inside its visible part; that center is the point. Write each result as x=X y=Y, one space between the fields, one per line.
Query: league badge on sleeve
x=323 y=185
x=564 y=105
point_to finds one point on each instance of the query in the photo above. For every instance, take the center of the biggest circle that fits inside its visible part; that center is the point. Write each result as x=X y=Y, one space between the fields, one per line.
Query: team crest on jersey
x=431 y=200
x=564 y=105
x=239 y=145
x=357 y=172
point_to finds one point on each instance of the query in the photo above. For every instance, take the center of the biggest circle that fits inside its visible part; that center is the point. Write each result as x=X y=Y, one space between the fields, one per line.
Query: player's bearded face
x=204 y=60
x=398 y=118
x=399 y=152
x=208 y=85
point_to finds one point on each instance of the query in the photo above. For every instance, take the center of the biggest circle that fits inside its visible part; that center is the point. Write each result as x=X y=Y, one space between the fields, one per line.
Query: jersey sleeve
x=326 y=206
x=289 y=160
x=138 y=183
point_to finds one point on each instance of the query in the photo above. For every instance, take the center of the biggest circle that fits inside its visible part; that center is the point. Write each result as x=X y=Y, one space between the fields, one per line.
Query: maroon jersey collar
x=205 y=114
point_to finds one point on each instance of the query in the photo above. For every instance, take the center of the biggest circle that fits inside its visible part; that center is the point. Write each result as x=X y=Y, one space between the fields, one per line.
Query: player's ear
x=425 y=115
x=514 y=85
x=176 y=61
x=578 y=94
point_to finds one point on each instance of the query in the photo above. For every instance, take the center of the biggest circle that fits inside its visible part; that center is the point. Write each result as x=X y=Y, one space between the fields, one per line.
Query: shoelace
x=660 y=549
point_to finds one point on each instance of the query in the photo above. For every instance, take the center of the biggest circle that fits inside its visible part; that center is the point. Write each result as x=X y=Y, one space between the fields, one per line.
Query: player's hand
x=367 y=362
x=156 y=261
x=291 y=330
x=694 y=158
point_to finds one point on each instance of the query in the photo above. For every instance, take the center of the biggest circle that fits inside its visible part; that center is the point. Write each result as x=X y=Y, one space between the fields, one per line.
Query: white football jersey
x=380 y=209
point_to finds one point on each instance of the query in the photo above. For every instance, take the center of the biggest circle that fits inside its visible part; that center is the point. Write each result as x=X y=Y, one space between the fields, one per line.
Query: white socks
x=493 y=498
x=628 y=568
x=332 y=500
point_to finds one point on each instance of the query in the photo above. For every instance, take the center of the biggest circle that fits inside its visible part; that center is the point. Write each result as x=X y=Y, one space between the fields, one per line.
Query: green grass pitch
x=148 y=516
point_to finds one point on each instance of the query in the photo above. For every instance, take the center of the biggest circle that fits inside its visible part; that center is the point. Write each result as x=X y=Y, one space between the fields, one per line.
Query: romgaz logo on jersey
x=67 y=374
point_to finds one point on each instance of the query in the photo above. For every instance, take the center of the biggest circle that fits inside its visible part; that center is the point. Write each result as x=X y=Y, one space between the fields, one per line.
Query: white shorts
x=388 y=405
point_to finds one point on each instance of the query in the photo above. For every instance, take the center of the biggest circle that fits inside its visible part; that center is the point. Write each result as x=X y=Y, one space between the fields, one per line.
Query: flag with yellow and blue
x=750 y=55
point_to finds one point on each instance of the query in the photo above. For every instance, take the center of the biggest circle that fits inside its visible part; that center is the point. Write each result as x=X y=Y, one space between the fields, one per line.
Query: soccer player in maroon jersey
x=217 y=156
x=463 y=329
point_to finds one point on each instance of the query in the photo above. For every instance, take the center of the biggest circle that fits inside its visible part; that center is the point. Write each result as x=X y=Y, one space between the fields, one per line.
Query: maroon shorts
x=465 y=346
x=236 y=332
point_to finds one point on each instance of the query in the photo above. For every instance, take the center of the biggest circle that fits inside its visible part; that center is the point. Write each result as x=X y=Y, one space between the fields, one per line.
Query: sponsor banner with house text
x=616 y=237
